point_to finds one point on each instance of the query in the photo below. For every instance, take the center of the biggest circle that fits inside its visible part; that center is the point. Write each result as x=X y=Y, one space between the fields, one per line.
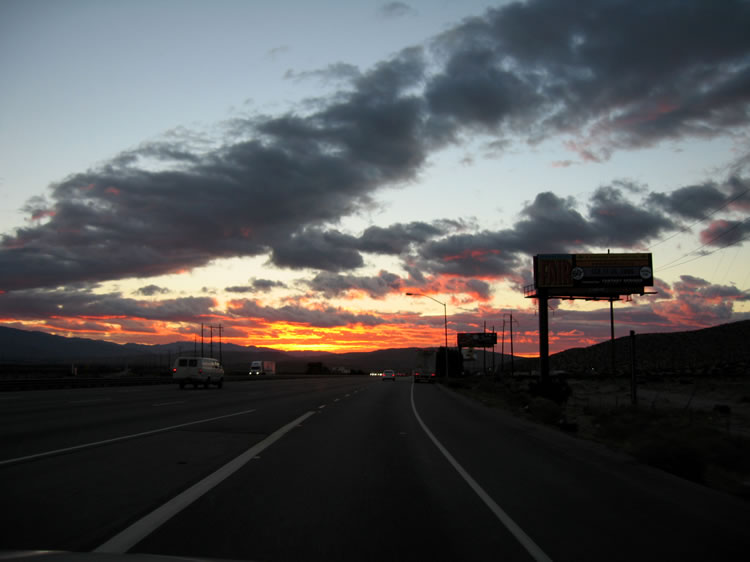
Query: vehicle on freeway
x=389 y=375
x=423 y=376
x=262 y=368
x=426 y=366
x=197 y=371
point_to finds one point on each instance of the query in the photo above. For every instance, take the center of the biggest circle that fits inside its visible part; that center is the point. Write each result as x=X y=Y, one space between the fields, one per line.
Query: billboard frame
x=476 y=339
x=592 y=276
x=589 y=277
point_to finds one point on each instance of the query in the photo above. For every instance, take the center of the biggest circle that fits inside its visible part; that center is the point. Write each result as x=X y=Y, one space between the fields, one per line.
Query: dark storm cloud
x=481 y=254
x=151 y=290
x=549 y=224
x=396 y=238
x=265 y=285
x=335 y=285
x=321 y=317
x=692 y=201
x=604 y=74
x=701 y=201
x=239 y=289
x=723 y=233
x=473 y=92
x=332 y=73
x=393 y=10
x=254 y=197
x=256 y=286
x=476 y=288
x=613 y=73
x=698 y=303
x=42 y=303
x=618 y=222
x=313 y=248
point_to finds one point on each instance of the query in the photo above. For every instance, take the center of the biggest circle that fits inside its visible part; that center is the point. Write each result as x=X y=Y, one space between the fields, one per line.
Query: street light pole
x=445 y=323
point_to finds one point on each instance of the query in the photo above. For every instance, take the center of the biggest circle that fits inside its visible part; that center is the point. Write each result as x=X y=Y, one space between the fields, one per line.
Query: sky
x=289 y=170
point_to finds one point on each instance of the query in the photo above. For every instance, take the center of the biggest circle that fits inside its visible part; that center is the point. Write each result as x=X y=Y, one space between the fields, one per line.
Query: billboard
x=477 y=339
x=593 y=273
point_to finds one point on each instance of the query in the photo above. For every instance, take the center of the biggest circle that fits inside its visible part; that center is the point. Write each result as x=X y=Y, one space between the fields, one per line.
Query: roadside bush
x=681 y=458
x=556 y=390
x=682 y=443
x=545 y=410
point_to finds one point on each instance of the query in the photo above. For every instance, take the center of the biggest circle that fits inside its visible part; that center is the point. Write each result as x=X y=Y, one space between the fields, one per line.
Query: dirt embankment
x=696 y=428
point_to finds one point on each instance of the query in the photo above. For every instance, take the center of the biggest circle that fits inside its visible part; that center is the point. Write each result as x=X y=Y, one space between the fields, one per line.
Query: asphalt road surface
x=339 y=468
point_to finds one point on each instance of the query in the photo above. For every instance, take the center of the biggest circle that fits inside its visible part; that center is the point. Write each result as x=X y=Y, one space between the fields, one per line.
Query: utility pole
x=502 y=350
x=494 y=343
x=221 y=359
x=484 y=352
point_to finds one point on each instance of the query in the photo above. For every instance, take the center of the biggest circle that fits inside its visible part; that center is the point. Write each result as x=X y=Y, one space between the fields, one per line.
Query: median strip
x=116 y=439
x=122 y=542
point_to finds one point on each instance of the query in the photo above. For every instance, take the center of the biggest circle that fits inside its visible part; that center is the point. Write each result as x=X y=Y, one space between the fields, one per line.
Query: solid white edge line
x=116 y=439
x=123 y=541
x=526 y=541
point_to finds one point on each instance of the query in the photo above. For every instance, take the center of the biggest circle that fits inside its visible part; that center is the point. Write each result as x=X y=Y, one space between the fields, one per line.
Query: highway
x=336 y=468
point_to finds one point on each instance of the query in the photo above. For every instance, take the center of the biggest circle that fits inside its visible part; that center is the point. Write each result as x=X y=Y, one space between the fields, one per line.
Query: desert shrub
x=679 y=457
x=456 y=383
x=545 y=410
x=682 y=443
x=556 y=389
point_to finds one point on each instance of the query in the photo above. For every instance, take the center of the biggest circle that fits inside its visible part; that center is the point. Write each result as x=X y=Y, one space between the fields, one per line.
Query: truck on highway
x=263 y=368
x=425 y=365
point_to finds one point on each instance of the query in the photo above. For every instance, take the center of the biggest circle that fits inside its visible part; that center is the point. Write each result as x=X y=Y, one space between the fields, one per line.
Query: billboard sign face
x=478 y=339
x=581 y=274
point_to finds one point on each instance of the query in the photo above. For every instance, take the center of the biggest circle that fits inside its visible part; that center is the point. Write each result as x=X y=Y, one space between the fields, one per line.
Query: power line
x=672 y=263
x=685 y=229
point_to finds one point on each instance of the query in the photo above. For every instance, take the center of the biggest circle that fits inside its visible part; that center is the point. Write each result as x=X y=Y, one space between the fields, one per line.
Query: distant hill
x=22 y=347
x=719 y=349
x=722 y=348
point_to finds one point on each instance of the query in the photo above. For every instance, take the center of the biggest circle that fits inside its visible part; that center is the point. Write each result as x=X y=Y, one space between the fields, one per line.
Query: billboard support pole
x=512 y=353
x=633 y=379
x=543 y=336
x=612 y=332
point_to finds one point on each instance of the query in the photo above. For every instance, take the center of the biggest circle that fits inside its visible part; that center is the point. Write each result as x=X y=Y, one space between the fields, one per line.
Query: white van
x=198 y=370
